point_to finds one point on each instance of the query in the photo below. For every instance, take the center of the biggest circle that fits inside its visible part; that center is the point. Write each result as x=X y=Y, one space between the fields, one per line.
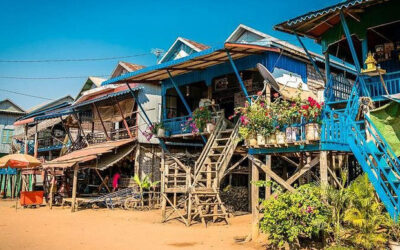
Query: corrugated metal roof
x=86 y=154
x=315 y=23
x=196 y=61
x=327 y=10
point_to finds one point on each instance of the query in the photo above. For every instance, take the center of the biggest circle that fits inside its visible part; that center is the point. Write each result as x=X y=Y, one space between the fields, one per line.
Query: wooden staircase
x=193 y=192
x=209 y=170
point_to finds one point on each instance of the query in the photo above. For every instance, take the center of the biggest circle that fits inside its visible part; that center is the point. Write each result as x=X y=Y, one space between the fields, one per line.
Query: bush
x=289 y=216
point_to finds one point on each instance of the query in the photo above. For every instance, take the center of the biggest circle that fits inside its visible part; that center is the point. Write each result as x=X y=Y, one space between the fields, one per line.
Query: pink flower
x=244 y=120
x=276 y=95
x=230 y=117
x=259 y=93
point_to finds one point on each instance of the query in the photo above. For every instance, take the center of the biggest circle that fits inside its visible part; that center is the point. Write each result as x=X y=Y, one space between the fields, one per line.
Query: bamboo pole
x=74 y=187
x=101 y=121
x=254 y=201
x=124 y=121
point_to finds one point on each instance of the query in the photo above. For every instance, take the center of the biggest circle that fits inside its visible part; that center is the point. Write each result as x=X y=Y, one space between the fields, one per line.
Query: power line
x=48 y=78
x=72 y=60
x=19 y=93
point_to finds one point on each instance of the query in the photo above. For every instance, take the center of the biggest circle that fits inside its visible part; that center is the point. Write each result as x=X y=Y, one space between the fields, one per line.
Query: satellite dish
x=267 y=76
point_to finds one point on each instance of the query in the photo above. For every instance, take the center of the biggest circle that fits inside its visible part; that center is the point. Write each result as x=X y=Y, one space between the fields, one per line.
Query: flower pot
x=280 y=137
x=210 y=127
x=271 y=139
x=313 y=132
x=292 y=134
x=394 y=245
x=161 y=132
x=260 y=140
x=252 y=141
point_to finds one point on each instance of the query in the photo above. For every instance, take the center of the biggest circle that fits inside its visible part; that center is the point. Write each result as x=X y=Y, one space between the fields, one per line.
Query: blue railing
x=338 y=89
x=177 y=125
x=376 y=89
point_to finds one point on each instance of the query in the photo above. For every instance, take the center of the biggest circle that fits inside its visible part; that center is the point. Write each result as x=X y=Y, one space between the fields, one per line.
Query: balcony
x=376 y=89
x=176 y=127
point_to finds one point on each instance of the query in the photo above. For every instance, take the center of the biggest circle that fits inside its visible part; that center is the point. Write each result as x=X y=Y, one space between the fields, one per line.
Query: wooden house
x=218 y=78
x=365 y=34
x=9 y=112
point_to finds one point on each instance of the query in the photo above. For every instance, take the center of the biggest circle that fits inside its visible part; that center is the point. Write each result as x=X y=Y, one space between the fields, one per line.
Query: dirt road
x=43 y=228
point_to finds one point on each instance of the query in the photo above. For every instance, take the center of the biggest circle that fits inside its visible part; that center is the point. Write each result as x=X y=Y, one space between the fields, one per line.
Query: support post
x=80 y=126
x=35 y=150
x=310 y=57
x=353 y=51
x=323 y=168
x=327 y=66
x=74 y=187
x=124 y=121
x=180 y=94
x=26 y=140
x=101 y=121
x=238 y=76
x=163 y=200
x=268 y=161
x=183 y=99
x=254 y=201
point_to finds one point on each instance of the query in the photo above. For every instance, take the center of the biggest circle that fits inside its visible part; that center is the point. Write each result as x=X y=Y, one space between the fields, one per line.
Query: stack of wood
x=235 y=198
x=187 y=158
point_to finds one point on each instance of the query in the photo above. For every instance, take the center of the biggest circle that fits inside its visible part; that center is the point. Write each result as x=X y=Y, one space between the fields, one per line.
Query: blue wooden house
x=364 y=33
x=219 y=78
x=9 y=112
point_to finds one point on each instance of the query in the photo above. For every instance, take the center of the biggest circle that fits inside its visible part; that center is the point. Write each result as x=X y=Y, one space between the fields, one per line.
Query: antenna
x=158 y=53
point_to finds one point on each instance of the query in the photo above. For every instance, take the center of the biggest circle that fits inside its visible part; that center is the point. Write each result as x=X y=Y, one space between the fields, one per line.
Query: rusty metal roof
x=86 y=154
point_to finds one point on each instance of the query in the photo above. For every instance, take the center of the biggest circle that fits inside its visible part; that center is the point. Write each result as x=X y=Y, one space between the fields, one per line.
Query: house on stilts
x=359 y=128
x=200 y=91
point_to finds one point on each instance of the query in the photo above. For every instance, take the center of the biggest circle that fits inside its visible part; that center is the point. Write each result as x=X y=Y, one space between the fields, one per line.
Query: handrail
x=376 y=169
x=382 y=138
x=199 y=162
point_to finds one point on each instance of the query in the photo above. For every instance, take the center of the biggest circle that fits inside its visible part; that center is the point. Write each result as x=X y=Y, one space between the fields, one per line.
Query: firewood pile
x=187 y=158
x=235 y=198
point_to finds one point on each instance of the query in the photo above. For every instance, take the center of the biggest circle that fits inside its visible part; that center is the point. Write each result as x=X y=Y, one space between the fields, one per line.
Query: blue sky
x=35 y=30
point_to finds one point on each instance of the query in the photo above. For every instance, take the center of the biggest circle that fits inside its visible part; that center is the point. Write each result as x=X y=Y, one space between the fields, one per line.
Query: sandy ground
x=42 y=228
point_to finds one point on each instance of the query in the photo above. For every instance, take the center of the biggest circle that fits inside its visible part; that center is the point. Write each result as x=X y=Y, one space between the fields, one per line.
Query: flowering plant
x=155 y=127
x=200 y=117
x=311 y=110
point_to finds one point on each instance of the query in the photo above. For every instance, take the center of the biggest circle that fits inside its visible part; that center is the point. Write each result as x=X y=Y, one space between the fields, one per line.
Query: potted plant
x=158 y=129
x=201 y=117
x=311 y=111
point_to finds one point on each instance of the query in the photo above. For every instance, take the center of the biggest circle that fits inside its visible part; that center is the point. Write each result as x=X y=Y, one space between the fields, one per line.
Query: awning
x=40 y=127
x=315 y=23
x=193 y=62
x=23 y=122
x=104 y=94
x=87 y=154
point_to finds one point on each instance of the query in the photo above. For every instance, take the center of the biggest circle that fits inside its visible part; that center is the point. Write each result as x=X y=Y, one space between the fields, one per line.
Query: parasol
x=19 y=161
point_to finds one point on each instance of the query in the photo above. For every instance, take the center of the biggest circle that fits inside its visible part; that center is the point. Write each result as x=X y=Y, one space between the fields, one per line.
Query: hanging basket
x=313 y=132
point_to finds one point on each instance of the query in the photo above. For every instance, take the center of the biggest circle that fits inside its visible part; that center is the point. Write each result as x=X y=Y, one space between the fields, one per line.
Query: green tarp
x=387 y=121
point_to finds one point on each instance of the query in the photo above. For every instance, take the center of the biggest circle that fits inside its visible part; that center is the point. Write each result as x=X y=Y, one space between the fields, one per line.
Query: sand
x=42 y=228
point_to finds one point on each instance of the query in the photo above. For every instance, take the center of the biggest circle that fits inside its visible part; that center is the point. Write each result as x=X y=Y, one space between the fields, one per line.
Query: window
x=6 y=136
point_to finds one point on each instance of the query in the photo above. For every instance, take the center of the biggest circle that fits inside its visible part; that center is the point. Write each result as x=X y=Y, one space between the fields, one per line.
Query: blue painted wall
x=269 y=59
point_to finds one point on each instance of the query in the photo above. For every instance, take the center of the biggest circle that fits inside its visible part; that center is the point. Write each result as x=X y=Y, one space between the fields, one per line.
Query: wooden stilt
x=323 y=168
x=254 y=201
x=163 y=179
x=35 y=150
x=124 y=121
x=268 y=161
x=51 y=190
x=101 y=121
x=74 y=187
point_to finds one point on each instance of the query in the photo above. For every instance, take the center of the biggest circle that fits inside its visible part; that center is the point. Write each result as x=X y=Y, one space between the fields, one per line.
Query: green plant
x=155 y=127
x=337 y=200
x=144 y=183
x=364 y=217
x=290 y=216
x=201 y=116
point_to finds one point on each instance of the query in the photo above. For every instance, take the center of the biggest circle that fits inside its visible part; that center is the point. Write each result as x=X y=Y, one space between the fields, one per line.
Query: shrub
x=289 y=216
